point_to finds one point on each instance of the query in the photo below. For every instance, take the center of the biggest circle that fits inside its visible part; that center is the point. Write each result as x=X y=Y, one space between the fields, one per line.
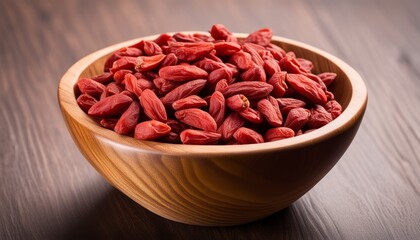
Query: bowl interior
x=348 y=89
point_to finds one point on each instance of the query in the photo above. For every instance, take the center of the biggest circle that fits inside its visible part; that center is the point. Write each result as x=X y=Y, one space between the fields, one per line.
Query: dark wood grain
x=48 y=190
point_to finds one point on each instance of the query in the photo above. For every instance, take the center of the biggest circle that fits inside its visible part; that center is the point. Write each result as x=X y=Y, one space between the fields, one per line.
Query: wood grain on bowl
x=216 y=185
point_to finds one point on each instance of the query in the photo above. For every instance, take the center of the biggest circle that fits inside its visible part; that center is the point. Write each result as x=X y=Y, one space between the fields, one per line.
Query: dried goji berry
x=297 y=118
x=86 y=101
x=217 y=75
x=90 y=87
x=212 y=56
x=242 y=60
x=131 y=84
x=276 y=106
x=305 y=64
x=278 y=133
x=192 y=136
x=197 y=118
x=152 y=106
x=108 y=123
x=190 y=52
x=217 y=107
x=224 y=49
x=104 y=78
x=163 y=39
x=255 y=73
x=147 y=63
x=278 y=81
x=114 y=88
x=184 y=37
x=327 y=77
x=184 y=90
x=237 y=102
x=255 y=57
x=307 y=88
x=128 y=119
x=271 y=66
x=220 y=85
x=130 y=94
x=220 y=32
x=124 y=63
x=334 y=108
x=164 y=86
x=251 y=115
x=251 y=89
x=120 y=75
x=270 y=114
x=229 y=126
x=261 y=37
x=317 y=80
x=182 y=73
x=145 y=84
x=247 y=136
x=203 y=37
x=192 y=101
x=277 y=52
x=126 y=51
x=151 y=48
x=287 y=104
x=169 y=60
x=209 y=65
x=110 y=106
x=290 y=65
x=151 y=130
x=319 y=117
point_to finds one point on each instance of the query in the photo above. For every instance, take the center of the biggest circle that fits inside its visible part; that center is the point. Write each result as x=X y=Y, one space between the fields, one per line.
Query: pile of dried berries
x=209 y=89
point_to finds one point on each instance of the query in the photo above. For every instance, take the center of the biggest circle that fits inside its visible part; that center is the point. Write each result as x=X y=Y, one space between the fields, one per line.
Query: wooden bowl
x=216 y=185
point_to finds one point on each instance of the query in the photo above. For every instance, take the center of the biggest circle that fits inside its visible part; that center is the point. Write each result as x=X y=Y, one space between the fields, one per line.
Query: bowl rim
x=354 y=110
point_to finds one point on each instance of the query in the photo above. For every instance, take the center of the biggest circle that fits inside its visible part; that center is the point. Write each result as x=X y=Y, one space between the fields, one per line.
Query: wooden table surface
x=49 y=191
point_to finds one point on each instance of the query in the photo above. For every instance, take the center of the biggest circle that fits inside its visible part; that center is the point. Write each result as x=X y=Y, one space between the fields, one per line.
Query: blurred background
x=48 y=190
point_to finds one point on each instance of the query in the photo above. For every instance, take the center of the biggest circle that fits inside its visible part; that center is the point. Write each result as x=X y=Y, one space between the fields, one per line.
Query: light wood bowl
x=216 y=185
